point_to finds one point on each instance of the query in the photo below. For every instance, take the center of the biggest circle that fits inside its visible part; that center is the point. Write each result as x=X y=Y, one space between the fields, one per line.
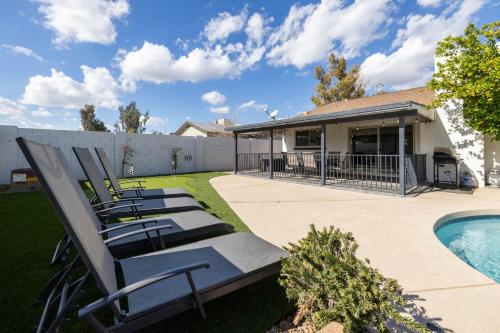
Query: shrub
x=328 y=282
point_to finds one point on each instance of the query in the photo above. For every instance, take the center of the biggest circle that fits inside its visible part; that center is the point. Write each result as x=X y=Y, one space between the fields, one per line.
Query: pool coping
x=466 y=213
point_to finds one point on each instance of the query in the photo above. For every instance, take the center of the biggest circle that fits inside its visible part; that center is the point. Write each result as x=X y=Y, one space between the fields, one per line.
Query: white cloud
x=220 y=109
x=16 y=49
x=429 y=3
x=257 y=27
x=11 y=108
x=310 y=32
x=74 y=21
x=14 y=114
x=213 y=97
x=412 y=62
x=253 y=105
x=59 y=90
x=155 y=63
x=157 y=121
x=247 y=105
x=220 y=27
x=41 y=112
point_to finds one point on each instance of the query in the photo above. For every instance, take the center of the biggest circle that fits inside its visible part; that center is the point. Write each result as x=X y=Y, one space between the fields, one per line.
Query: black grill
x=442 y=158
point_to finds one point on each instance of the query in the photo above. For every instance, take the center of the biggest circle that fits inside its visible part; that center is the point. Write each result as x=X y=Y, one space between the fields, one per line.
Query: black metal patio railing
x=361 y=171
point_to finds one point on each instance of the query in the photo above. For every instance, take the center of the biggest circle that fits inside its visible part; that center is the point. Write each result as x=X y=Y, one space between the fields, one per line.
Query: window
x=308 y=138
x=364 y=141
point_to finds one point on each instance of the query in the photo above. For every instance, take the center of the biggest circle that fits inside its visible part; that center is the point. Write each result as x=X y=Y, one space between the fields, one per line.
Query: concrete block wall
x=153 y=153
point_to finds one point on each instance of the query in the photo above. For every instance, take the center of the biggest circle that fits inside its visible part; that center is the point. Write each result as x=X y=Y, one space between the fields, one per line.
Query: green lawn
x=30 y=230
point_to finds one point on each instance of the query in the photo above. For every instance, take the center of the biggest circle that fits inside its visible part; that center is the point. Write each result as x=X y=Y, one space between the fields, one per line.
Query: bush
x=328 y=282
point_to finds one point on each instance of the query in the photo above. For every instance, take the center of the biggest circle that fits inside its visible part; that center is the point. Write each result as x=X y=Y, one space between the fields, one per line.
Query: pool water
x=475 y=240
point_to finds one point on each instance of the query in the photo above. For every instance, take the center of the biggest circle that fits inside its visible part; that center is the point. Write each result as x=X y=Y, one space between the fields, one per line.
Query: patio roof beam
x=323 y=152
x=373 y=113
x=235 y=153
x=271 y=154
x=402 y=155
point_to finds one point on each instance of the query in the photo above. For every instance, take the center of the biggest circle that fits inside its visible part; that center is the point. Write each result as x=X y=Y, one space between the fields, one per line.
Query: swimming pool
x=474 y=239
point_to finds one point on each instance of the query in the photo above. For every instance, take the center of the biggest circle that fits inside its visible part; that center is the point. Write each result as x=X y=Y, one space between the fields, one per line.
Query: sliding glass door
x=381 y=140
x=389 y=140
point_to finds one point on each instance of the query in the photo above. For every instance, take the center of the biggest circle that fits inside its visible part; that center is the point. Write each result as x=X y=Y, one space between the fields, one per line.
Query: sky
x=205 y=60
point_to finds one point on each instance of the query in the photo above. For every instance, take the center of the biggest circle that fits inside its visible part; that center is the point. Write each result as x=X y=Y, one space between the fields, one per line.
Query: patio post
x=271 y=153
x=402 y=155
x=323 y=151
x=235 y=152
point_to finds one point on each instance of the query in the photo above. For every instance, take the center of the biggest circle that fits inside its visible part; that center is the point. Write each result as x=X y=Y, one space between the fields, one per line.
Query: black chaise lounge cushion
x=159 y=206
x=168 y=192
x=184 y=226
x=148 y=206
x=231 y=257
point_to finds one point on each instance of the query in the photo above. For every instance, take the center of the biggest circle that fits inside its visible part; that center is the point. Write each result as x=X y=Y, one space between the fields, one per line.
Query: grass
x=30 y=230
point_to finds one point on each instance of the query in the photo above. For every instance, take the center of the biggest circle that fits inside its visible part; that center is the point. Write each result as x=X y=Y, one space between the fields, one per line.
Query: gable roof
x=420 y=95
x=203 y=127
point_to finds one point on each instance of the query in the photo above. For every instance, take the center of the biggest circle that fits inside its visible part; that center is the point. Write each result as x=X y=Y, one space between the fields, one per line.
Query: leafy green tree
x=131 y=120
x=337 y=83
x=89 y=121
x=470 y=74
x=328 y=282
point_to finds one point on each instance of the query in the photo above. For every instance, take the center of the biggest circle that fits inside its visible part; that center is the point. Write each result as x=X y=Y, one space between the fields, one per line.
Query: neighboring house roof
x=420 y=95
x=207 y=128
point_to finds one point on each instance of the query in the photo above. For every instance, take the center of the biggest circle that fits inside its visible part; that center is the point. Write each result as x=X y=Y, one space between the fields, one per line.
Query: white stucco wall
x=448 y=130
x=491 y=155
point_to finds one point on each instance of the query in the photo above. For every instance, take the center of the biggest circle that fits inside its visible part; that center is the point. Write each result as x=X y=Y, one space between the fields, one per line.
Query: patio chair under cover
x=125 y=238
x=107 y=206
x=168 y=192
x=158 y=285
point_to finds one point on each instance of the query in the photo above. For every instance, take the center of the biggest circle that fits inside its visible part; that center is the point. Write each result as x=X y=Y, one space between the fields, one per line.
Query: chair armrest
x=107 y=300
x=136 y=232
x=132 y=180
x=115 y=201
x=116 y=207
x=126 y=225
x=139 y=181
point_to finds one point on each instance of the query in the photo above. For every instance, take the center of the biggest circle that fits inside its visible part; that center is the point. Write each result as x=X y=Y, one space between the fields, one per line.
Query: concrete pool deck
x=396 y=234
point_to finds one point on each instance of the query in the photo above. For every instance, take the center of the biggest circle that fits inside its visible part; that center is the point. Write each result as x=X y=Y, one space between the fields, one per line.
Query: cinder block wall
x=153 y=153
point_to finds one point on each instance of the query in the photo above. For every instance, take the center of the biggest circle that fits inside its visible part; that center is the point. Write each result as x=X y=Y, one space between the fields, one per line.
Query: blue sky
x=203 y=60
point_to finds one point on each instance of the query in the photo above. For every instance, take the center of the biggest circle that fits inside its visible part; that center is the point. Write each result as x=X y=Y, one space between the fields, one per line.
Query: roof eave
x=407 y=108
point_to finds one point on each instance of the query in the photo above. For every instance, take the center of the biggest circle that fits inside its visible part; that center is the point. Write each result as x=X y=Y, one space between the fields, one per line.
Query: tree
x=89 y=121
x=337 y=84
x=131 y=120
x=470 y=74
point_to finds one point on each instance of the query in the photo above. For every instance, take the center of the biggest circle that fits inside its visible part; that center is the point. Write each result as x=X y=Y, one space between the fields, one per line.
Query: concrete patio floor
x=395 y=233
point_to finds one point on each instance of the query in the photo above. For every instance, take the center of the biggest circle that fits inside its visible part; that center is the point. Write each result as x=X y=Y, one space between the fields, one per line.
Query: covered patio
x=360 y=148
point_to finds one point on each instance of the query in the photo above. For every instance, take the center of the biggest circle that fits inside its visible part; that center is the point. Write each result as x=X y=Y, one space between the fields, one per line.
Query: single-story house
x=216 y=129
x=363 y=142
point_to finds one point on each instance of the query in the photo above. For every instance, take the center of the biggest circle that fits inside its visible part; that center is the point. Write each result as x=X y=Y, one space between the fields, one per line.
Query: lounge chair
x=158 y=285
x=107 y=207
x=139 y=191
x=125 y=238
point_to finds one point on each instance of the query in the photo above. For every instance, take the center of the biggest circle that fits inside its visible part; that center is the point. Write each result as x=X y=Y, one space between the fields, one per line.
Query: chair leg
x=196 y=295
